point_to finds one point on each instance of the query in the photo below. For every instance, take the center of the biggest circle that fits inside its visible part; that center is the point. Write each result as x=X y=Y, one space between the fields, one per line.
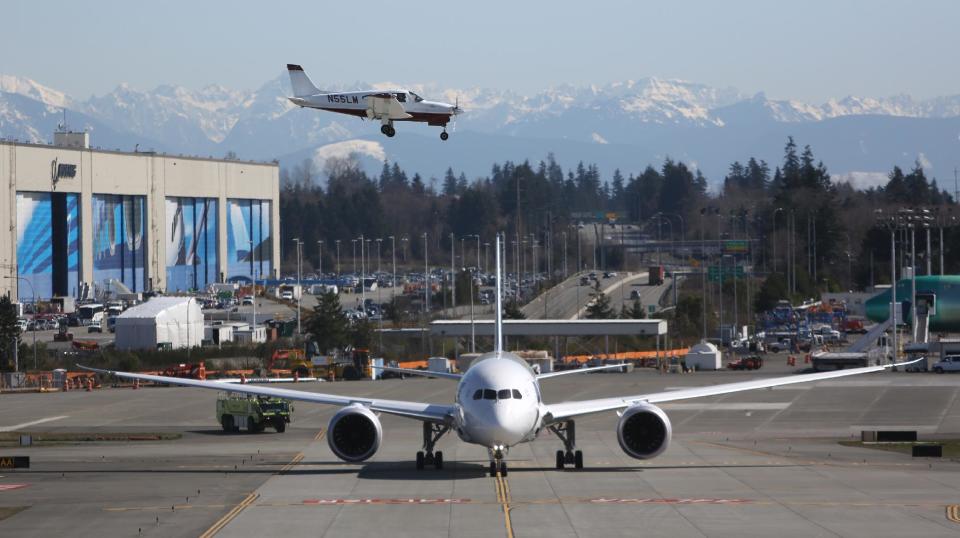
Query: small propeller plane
x=387 y=106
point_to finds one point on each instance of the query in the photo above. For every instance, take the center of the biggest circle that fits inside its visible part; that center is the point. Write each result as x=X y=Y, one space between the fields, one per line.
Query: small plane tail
x=302 y=86
x=498 y=331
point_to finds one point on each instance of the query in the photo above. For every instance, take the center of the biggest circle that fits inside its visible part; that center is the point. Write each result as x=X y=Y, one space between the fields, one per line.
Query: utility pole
x=338 y=261
x=393 y=255
x=299 y=286
x=564 y=234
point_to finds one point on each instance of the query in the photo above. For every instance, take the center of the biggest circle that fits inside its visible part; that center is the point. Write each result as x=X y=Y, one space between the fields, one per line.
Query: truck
x=656 y=275
x=256 y=413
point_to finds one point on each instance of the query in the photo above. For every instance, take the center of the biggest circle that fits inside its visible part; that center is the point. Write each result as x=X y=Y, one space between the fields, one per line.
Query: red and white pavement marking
x=6 y=487
x=385 y=501
x=669 y=501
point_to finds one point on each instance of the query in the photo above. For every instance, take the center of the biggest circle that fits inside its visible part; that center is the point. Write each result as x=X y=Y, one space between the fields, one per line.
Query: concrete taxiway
x=760 y=463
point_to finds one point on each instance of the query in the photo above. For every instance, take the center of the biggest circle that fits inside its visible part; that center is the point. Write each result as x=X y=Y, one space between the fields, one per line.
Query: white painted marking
x=727 y=406
x=16 y=427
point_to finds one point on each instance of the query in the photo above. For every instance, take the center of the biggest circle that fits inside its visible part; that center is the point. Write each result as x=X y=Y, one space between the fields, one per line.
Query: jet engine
x=354 y=433
x=644 y=431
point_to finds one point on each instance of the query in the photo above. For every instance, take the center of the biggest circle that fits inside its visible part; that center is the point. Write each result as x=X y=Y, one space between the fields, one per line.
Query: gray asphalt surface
x=762 y=463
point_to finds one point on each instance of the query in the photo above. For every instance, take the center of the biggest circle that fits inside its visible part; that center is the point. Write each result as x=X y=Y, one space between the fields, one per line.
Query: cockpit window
x=478 y=395
x=517 y=395
x=504 y=394
x=402 y=97
x=489 y=394
x=416 y=97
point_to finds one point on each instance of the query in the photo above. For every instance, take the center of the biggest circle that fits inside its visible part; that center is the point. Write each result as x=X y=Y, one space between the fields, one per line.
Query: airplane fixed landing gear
x=432 y=433
x=497 y=463
x=567 y=433
x=388 y=130
x=444 y=135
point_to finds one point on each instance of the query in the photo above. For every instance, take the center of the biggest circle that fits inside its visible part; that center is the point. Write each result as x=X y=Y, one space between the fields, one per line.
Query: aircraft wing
x=565 y=410
x=580 y=371
x=385 y=105
x=424 y=373
x=426 y=412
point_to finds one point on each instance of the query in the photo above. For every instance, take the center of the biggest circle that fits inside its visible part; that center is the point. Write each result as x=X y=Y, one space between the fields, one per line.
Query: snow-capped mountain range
x=623 y=124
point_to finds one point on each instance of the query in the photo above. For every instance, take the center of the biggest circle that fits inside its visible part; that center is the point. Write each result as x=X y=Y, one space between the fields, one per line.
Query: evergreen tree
x=635 y=311
x=328 y=324
x=511 y=310
x=599 y=307
x=9 y=333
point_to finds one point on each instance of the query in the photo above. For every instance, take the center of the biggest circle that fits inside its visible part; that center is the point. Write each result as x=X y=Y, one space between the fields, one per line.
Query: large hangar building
x=81 y=220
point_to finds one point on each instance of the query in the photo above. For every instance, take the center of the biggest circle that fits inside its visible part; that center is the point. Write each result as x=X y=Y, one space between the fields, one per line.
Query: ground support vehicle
x=746 y=363
x=253 y=413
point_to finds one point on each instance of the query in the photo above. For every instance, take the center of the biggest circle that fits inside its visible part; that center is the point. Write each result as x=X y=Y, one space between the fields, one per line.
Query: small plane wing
x=425 y=373
x=580 y=371
x=385 y=105
x=426 y=412
x=564 y=410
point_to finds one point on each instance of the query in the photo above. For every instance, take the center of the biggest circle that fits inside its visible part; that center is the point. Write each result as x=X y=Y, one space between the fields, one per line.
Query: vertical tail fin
x=498 y=331
x=300 y=82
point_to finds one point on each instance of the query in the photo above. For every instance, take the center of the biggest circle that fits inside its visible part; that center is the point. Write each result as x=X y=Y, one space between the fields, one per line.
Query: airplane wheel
x=227 y=422
x=493 y=469
x=578 y=459
x=385 y=129
x=560 y=459
x=444 y=135
x=391 y=131
x=420 y=460
x=503 y=468
x=438 y=460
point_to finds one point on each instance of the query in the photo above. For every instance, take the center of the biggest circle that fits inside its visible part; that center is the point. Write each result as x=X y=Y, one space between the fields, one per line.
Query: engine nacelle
x=644 y=431
x=354 y=433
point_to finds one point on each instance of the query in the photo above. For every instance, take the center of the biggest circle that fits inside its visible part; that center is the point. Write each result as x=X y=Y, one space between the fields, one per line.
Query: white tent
x=704 y=356
x=173 y=321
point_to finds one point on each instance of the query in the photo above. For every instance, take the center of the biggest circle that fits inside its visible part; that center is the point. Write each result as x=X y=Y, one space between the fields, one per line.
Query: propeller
x=456 y=112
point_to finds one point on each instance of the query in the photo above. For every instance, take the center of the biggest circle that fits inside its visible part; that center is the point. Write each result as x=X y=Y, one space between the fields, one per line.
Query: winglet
x=294 y=67
x=498 y=335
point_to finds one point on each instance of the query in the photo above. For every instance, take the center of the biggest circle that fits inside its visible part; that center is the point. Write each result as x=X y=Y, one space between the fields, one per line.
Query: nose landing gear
x=432 y=433
x=497 y=463
x=444 y=136
x=567 y=433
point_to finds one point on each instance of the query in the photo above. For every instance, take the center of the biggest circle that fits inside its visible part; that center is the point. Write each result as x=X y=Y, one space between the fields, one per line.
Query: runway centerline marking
x=953 y=512
x=16 y=427
x=229 y=516
x=504 y=500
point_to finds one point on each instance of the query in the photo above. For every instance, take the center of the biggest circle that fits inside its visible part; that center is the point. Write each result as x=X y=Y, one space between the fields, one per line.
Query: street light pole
x=320 y=258
x=426 y=277
x=453 y=273
x=299 y=286
x=337 y=241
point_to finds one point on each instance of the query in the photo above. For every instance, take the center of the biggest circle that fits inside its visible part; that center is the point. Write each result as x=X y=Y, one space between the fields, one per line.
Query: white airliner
x=498 y=405
x=387 y=106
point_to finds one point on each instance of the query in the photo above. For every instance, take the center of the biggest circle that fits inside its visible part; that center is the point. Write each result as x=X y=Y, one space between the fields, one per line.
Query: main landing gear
x=497 y=463
x=567 y=433
x=432 y=433
x=388 y=130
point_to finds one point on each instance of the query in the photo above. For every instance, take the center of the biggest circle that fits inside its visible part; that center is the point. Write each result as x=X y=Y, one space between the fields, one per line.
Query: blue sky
x=810 y=50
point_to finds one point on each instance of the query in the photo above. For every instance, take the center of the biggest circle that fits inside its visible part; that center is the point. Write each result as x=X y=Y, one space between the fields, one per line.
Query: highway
x=567 y=299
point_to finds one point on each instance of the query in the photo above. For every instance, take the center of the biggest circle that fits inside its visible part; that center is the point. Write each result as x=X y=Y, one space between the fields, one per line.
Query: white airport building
x=82 y=219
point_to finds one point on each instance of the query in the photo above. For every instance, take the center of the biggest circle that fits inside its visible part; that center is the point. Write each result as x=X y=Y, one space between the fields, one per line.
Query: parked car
x=248 y=300
x=95 y=327
x=949 y=363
